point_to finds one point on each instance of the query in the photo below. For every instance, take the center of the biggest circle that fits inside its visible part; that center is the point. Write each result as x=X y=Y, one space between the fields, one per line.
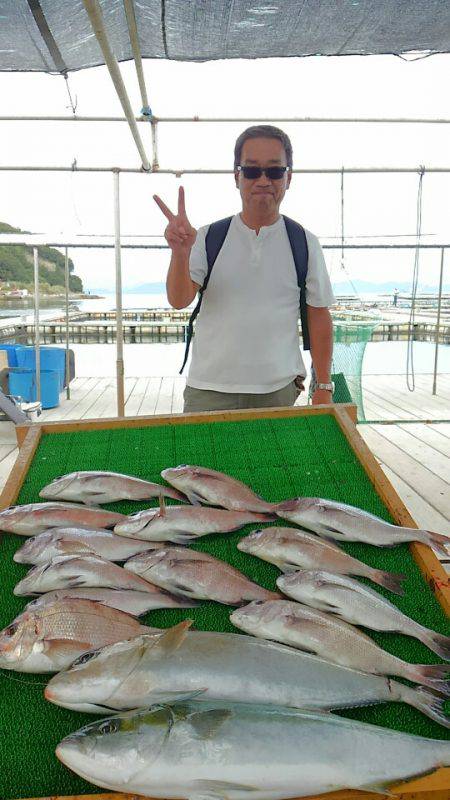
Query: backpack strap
x=299 y=247
x=215 y=237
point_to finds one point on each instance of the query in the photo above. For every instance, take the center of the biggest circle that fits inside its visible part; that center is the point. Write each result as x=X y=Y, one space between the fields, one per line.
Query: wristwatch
x=329 y=387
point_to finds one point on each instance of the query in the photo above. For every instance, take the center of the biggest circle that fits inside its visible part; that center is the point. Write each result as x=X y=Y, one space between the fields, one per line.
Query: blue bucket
x=22 y=383
x=52 y=358
x=12 y=350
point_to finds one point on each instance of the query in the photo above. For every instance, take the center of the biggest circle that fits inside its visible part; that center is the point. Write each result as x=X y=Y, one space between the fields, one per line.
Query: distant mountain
x=17 y=266
x=384 y=288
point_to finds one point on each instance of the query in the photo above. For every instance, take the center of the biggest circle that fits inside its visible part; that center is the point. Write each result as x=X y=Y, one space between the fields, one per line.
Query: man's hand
x=179 y=234
x=321 y=397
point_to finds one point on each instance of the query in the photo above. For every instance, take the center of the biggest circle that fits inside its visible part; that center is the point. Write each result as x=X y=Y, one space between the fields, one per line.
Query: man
x=246 y=350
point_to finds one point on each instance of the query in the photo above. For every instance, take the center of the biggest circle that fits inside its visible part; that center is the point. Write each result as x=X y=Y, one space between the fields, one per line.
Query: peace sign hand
x=179 y=234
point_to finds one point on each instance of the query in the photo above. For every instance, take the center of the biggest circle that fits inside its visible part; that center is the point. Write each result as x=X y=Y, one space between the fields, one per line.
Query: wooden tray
x=431 y=787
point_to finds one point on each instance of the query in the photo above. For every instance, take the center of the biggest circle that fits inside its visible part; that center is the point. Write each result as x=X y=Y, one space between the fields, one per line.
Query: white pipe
x=95 y=15
x=37 y=333
x=179 y=172
x=438 y=322
x=66 y=281
x=119 y=321
x=134 y=40
x=254 y=120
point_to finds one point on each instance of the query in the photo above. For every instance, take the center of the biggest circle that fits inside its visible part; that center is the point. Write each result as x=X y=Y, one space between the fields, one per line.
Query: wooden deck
x=408 y=432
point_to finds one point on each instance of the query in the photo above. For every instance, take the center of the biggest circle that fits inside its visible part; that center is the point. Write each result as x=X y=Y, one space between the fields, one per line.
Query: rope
x=410 y=376
x=73 y=104
x=343 y=267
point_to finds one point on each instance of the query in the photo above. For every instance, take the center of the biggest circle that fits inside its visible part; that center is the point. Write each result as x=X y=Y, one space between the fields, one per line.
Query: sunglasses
x=273 y=173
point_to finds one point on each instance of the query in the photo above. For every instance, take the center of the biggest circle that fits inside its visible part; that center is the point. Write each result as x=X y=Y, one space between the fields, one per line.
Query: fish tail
x=438 y=643
x=390 y=580
x=438 y=541
x=426 y=702
x=429 y=675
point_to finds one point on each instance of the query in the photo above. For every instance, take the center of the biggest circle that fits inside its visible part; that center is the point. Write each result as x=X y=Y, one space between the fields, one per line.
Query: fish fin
x=168 y=642
x=207 y=723
x=211 y=790
x=162 y=505
x=287 y=567
x=96 y=498
x=438 y=643
x=379 y=788
x=181 y=538
x=389 y=580
x=67 y=647
x=195 y=498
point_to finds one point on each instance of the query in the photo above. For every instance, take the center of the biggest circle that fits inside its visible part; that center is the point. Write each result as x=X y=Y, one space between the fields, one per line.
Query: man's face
x=262 y=195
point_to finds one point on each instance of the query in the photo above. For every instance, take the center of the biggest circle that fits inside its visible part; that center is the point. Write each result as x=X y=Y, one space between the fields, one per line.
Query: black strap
x=299 y=247
x=215 y=238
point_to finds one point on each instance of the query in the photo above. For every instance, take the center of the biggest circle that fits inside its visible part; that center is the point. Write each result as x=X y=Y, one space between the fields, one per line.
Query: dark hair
x=262 y=132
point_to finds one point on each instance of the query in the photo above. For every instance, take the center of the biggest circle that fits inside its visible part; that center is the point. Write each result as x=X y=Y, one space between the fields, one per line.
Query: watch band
x=329 y=387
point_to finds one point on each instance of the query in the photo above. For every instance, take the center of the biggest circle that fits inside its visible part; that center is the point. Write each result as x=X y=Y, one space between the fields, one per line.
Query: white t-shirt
x=246 y=335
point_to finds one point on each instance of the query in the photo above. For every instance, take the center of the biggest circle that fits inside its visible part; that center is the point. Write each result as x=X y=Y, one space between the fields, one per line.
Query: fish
x=358 y=604
x=70 y=572
x=291 y=548
x=127 y=600
x=28 y=520
x=351 y=524
x=49 y=639
x=94 y=488
x=222 y=666
x=181 y=524
x=193 y=749
x=201 y=485
x=54 y=542
x=325 y=636
x=198 y=575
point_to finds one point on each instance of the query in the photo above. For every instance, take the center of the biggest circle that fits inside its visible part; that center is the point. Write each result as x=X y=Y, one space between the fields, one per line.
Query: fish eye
x=84 y=658
x=109 y=726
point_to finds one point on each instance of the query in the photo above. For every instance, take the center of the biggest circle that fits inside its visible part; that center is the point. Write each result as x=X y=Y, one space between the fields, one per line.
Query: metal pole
x=37 y=337
x=96 y=18
x=66 y=271
x=182 y=171
x=254 y=120
x=438 y=322
x=119 y=323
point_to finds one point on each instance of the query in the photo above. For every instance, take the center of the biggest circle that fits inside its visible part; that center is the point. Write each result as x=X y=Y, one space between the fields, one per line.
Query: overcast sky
x=64 y=204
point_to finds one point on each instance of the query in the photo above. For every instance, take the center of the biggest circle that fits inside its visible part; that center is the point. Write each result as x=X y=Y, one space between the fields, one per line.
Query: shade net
x=56 y=35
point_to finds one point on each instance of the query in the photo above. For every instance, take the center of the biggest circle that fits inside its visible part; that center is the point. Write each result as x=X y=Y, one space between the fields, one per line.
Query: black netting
x=54 y=35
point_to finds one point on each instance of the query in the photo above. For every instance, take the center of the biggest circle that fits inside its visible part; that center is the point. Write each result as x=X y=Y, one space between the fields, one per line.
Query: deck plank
x=431 y=487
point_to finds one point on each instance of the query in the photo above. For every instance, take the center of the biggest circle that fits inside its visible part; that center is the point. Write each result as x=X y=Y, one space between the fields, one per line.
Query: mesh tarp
x=56 y=35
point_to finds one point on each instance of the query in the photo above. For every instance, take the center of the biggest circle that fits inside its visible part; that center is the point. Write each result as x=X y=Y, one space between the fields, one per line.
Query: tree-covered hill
x=16 y=264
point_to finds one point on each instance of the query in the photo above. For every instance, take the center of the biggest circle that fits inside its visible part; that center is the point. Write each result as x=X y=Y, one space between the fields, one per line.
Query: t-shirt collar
x=265 y=230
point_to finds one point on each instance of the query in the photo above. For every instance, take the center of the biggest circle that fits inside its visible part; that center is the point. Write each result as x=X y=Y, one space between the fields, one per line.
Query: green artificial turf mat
x=279 y=459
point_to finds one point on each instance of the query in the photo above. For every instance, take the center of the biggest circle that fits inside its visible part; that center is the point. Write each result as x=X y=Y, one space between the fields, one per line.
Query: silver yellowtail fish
x=34 y=518
x=222 y=666
x=350 y=524
x=291 y=548
x=50 y=638
x=192 y=574
x=70 y=572
x=356 y=603
x=202 y=485
x=220 y=750
x=94 y=488
x=332 y=639
x=180 y=524
x=54 y=542
x=127 y=600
